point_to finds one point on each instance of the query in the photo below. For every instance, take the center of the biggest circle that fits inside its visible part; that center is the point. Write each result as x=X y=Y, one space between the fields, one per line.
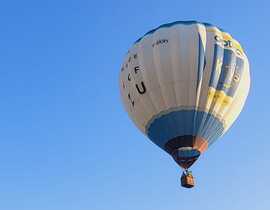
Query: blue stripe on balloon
x=231 y=64
x=228 y=67
x=204 y=125
x=217 y=61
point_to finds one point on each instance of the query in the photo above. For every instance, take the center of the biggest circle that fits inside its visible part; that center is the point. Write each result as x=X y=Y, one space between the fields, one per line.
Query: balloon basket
x=187 y=179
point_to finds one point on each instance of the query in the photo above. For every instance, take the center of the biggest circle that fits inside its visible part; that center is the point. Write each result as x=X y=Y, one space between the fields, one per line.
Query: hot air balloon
x=183 y=84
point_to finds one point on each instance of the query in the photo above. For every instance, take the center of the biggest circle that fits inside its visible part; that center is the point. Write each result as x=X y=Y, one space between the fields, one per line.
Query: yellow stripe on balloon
x=218 y=99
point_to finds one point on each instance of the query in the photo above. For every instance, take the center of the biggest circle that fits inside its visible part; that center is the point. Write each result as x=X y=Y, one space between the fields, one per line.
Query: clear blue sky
x=66 y=142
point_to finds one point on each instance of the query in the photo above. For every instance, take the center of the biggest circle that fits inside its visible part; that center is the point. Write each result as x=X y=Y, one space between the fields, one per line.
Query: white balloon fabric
x=183 y=84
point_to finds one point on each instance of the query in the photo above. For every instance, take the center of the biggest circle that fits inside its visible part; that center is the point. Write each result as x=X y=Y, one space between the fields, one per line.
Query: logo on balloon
x=230 y=43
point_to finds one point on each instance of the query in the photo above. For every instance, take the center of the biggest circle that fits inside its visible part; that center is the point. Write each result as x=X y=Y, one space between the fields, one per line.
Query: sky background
x=66 y=142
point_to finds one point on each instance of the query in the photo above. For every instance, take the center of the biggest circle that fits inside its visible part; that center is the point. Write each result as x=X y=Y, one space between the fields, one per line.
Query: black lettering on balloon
x=217 y=38
x=136 y=68
x=132 y=102
x=160 y=41
x=142 y=90
x=129 y=79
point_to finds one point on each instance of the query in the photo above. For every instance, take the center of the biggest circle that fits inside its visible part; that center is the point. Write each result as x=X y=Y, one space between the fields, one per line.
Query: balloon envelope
x=183 y=84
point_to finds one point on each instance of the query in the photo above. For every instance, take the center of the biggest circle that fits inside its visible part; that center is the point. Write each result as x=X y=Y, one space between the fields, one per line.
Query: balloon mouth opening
x=185 y=150
x=185 y=156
